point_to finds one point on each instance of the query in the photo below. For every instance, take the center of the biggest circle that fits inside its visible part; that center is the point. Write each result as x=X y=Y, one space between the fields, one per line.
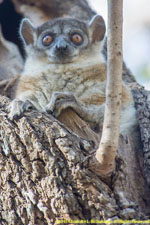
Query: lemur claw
x=17 y=108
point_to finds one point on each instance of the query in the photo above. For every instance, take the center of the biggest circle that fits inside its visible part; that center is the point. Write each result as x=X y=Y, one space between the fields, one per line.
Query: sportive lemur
x=65 y=67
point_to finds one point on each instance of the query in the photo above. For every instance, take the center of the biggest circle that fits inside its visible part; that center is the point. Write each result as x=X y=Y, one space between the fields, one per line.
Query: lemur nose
x=61 y=45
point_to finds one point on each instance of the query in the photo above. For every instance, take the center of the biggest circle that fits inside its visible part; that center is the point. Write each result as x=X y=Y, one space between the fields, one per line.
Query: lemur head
x=63 y=40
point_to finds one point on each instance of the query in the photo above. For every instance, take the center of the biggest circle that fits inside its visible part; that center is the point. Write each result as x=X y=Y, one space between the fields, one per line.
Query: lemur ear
x=27 y=31
x=98 y=28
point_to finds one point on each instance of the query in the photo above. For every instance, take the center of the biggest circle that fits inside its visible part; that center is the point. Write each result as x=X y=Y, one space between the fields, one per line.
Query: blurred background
x=136 y=36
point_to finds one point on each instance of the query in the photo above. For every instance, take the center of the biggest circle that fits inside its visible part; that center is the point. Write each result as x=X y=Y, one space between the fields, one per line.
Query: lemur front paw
x=17 y=108
x=60 y=101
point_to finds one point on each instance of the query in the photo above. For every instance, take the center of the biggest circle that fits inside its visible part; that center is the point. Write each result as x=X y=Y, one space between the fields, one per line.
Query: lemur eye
x=47 y=40
x=77 y=39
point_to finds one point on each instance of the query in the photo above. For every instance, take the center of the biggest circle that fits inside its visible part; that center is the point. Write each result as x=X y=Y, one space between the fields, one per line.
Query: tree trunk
x=45 y=174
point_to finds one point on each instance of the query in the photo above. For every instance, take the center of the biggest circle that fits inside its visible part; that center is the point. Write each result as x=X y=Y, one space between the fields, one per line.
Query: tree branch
x=110 y=136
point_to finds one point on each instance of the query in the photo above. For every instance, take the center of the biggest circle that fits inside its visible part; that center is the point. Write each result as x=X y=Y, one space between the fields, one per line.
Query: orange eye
x=77 y=39
x=47 y=40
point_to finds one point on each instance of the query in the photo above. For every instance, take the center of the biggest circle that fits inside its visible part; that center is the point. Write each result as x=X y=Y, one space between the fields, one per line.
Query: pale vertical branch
x=110 y=136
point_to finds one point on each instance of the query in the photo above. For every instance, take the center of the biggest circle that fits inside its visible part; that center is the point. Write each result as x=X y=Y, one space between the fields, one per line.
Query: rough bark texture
x=45 y=175
x=45 y=170
x=142 y=103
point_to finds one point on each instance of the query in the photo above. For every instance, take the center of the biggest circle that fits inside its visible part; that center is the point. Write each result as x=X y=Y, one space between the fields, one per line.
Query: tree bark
x=45 y=175
x=142 y=103
x=45 y=170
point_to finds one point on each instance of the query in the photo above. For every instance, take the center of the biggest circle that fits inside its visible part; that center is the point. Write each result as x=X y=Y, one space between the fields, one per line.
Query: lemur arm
x=63 y=100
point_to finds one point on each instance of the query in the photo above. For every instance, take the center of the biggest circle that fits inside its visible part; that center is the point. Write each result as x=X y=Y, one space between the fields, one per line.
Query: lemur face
x=62 y=40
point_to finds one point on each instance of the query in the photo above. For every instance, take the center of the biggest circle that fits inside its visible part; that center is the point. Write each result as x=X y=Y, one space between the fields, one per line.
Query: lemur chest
x=88 y=85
